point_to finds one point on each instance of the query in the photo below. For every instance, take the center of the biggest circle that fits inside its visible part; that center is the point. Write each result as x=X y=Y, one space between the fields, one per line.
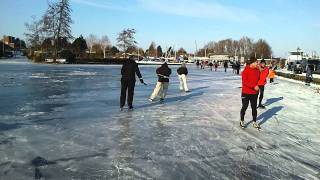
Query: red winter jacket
x=263 y=77
x=250 y=78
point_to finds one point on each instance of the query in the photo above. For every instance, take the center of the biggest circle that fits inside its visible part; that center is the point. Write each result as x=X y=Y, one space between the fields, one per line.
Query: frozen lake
x=63 y=122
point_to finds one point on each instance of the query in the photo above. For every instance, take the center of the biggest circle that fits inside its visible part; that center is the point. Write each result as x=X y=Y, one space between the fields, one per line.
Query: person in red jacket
x=264 y=71
x=250 y=88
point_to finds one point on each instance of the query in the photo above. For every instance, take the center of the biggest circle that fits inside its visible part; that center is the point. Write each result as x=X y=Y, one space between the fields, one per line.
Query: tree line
x=245 y=47
x=51 y=35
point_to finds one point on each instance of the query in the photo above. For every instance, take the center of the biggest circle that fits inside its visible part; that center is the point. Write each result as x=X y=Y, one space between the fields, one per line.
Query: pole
x=3 y=46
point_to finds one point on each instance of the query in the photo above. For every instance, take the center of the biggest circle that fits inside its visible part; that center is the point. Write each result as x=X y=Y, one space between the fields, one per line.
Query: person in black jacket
x=128 y=71
x=161 y=88
x=182 y=74
x=225 y=65
x=237 y=66
x=210 y=65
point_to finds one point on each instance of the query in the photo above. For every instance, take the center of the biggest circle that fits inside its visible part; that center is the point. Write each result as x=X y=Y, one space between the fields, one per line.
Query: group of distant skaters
x=254 y=78
x=215 y=64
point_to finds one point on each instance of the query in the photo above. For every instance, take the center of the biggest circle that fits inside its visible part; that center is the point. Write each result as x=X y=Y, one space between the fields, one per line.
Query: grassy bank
x=297 y=77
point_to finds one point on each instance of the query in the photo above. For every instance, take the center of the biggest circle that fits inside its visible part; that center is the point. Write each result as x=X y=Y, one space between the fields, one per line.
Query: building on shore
x=14 y=43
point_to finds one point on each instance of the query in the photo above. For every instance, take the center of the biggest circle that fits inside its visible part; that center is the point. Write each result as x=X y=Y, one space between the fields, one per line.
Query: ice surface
x=68 y=126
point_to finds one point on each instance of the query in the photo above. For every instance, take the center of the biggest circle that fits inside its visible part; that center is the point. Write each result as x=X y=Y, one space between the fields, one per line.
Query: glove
x=141 y=80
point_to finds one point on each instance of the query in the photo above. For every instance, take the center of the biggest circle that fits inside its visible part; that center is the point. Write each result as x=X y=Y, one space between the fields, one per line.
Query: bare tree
x=57 y=23
x=91 y=41
x=152 y=51
x=104 y=43
x=246 y=46
x=34 y=34
x=262 y=49
x=126 y=39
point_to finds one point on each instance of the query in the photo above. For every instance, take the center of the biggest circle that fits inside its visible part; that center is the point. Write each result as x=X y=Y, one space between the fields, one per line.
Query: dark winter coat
x=308 y=72
x=163 y=73
x=129 y=70
x=225 y=64
x=182 y=70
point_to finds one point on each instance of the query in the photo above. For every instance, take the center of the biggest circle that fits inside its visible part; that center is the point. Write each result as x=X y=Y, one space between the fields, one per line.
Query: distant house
x=14 y=43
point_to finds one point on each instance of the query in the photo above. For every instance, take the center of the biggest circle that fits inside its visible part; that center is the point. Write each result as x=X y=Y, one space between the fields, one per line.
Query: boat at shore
x=61 y=61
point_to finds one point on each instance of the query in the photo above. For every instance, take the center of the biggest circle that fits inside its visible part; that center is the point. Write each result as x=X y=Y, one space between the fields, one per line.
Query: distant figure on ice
x=264 y=71
x=225 y=65
x=198 y=64
x=237 y=66
x=250 y=88
x=161 y=88
x=308 y=74
x=128 y=71
x=202 y=65
x=234 y=67
x=210 y=65
x=182 y=74
x=272 y=73
x=215 y=66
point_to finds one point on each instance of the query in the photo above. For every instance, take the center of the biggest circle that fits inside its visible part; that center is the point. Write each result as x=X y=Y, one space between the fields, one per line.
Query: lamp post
x=3 y=46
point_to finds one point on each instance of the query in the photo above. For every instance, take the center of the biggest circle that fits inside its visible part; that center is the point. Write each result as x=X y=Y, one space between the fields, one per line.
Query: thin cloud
x=103 y=5
x=199 y=9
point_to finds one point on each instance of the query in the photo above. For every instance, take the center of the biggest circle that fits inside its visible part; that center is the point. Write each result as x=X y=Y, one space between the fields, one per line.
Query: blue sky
x=285 y=24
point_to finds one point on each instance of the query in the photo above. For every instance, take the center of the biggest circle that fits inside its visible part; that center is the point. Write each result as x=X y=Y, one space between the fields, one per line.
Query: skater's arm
x=138 y=72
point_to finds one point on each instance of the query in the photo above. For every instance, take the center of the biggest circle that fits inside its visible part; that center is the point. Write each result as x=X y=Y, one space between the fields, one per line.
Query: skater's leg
x=156 y=91
x=124 y=87
x=245 y=103
x=181 y=82
x=184 y=80
x=253 y=103
x=165 y=87
x=130 y=93
x=261 y=93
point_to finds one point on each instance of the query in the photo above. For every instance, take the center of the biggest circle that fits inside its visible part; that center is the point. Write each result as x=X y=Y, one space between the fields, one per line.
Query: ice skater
x=272 y=73
x=308 y=75
x=210 y=65
x=182 y=74
x=215 y=66
x=198 y=64
x=250 y=88
x=162 y=86
x=238 y=66
x=264 y=71
x=225 y=65
x=128 y=71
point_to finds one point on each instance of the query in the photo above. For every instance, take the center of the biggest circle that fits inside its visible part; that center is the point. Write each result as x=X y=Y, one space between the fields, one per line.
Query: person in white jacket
x=182 y=74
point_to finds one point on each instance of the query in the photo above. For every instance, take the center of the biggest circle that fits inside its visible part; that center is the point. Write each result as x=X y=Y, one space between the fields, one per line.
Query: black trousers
x=271 y=80
x=127 y=85
x=261 y=93
x=238 y=71
x=246 y=98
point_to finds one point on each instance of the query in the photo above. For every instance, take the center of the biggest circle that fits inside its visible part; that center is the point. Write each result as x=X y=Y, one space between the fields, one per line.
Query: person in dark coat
x=129 y=71
x=182 y=75
x=238 y=66
x=211 y=65
x=162 y=86
x=215 y=66
x=308 y=74
x=225 y=65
